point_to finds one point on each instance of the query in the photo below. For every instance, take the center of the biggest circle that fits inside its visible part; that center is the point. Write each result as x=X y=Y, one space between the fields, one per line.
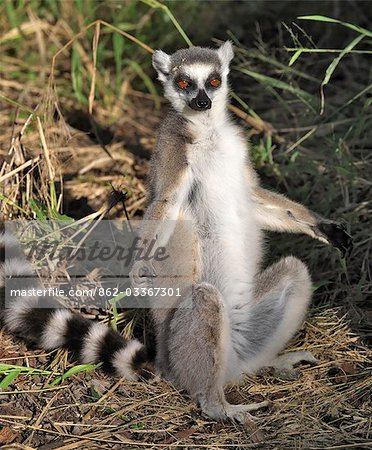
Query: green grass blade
x=118 y=47
x=11 y=203
x=278 y=84
x=295 y=57
x=11 y=13
x=76 y=75
x=316 y=18
x=114 y=302
x=327 y=50
x=7 y=368
x=332 y=67
x=274 y=62
x=79 y=368
x=53 y=196
x=39 y=209
x=157 y=5
x=245 y=105
x=274 y=83
x=8 y=379
x=18 y=105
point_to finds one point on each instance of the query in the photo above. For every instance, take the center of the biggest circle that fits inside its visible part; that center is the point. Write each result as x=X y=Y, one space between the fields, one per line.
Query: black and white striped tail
x=42 y=322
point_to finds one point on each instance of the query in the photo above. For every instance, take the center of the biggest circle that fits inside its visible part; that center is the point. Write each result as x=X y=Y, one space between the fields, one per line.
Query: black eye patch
x=184 y=83
x=214 y=81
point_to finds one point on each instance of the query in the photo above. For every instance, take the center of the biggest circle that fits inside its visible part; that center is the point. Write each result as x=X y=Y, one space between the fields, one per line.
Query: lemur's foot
x=241 y=414
x=235 y=413
x=284 y=364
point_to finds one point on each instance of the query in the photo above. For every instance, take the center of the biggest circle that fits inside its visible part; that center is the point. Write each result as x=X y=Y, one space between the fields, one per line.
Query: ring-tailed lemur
x=240 y=317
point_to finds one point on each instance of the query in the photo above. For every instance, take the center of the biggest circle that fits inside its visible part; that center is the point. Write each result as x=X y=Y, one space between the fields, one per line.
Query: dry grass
x=328 y=407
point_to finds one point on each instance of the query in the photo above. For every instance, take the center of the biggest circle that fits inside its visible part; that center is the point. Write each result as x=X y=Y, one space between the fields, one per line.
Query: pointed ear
x=226 y=54
x=161 y=63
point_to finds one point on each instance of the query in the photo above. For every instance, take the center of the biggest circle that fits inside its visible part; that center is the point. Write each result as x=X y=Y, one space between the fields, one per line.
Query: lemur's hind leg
x=198 y=342
x=260 y=329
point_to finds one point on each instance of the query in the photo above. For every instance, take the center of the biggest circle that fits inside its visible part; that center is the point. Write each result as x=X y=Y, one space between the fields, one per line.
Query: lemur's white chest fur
x=220 y=207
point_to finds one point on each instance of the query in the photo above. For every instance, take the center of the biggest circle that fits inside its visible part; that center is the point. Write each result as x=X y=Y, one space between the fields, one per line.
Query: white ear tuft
x=161 y=63
x=226 y=54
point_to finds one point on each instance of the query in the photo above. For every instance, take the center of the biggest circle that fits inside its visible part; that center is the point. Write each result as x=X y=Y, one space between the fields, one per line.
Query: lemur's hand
x=336 y=235
x=142 y=274
x=276 y=212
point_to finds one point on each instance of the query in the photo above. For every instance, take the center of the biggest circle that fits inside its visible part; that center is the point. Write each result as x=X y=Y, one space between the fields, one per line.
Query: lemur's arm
x=169 y=179
x=157 y=227
x=170 y=184
x=163 y=211
x=277 y=213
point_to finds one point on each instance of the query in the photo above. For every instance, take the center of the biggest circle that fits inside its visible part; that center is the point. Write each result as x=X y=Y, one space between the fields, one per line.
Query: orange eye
x=215 y=82
x=183 y=84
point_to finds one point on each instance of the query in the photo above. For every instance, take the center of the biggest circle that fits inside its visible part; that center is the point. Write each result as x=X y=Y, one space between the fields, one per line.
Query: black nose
x=201 y=102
